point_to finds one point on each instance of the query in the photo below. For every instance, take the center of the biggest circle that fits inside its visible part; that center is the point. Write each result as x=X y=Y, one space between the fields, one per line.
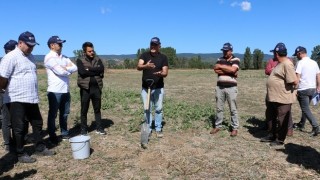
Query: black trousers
x=280 y=115
x=18 y=114
x=93 y=94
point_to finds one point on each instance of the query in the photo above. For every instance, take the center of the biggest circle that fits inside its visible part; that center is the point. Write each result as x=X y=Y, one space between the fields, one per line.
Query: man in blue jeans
x=227 y=68
x=59 y=68
x=154 y=65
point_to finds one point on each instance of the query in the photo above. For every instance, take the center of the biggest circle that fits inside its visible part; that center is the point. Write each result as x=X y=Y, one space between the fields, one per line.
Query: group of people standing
x=19 y=90
x=285 y=84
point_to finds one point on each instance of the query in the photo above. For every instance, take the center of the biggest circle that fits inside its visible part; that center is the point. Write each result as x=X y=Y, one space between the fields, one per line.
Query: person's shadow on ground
x=258 y=128
x=75 y=130
x=305 y=156
x=7 y=163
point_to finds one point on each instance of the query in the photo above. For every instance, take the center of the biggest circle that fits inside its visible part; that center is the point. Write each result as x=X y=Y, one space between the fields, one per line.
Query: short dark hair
x=282 y=53
x=85 y=45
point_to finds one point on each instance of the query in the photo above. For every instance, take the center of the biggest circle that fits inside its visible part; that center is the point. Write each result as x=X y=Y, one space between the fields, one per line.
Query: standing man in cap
x=308 y=75
x=271 y=64
x=90 y=82
x=227 y=68
x=5 y=119
x=59 y=68
x=18 y=76
x=154 y=66
x=280 y=95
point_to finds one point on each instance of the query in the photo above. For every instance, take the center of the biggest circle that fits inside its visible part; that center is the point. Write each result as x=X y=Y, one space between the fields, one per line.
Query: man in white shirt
x=59 y=68
x=308 y=74
x=18 y=76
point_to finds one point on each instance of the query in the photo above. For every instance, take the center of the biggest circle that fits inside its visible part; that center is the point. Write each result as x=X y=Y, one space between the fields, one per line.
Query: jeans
x=228 y=94
x=6 y=124
x=93 y=93
x=18 y=113
x=156 y=101
x=304 y=98
x=61 y=102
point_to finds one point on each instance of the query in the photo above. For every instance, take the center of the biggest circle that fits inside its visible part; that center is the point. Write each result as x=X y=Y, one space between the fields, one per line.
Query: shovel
x=145 y=124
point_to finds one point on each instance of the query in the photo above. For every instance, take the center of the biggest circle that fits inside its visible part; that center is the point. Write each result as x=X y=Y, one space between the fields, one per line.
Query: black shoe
x=84 y=132
x=315 y=131
x=101 y=132
x=45 y=152
x=25 y=158
x=54 y=140
x=144 y=146
x=268 y=138
x=276 y=143
x=65 y=137
x=298 y=126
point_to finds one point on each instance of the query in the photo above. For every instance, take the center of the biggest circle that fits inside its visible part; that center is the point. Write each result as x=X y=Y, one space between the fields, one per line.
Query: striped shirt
x=21 y=72
x=59 y=68
x=228 y=80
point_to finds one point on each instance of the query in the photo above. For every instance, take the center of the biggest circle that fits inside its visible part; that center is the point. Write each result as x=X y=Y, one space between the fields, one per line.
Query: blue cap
x=280 y=47
x=227 y=47
x=299 y=49
x=55 y=39
x=28 y=38
x=10 y=45
x=155 y=40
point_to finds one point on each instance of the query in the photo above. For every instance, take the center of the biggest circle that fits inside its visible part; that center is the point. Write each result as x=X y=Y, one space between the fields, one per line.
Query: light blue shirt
x=21 y=72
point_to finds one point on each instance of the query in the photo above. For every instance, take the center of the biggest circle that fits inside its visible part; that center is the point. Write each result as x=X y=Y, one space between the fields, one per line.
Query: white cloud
x=104 y=10
x=245 y=5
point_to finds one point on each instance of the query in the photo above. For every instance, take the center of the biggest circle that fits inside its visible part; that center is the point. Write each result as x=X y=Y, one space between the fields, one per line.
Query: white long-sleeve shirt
x=59 y=68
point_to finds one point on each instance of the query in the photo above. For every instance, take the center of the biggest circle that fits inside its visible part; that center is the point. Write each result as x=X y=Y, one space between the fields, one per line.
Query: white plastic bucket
x=80 y=146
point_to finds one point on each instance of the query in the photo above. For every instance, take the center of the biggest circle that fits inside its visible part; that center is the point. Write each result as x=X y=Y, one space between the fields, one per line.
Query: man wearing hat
x=280 y=95
x=308 y=74
x=6 y=125
x=18 y=76
x=226 y=68
x=59 y=68
x=154 y=66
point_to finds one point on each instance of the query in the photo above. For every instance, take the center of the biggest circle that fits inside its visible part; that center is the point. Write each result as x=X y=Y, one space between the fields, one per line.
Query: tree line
x=254 y=60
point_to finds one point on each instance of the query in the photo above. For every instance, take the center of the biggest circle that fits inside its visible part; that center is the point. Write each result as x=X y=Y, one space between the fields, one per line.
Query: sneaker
x=276 y=143
x=45 y=152
x=268 y=138
x=315 y=131
x=84 y=132
x=65 y=137
x=159 y=134
x=298 y=126
x=234 y=133
x=144 y=146
x=54 y=140
x=25 y=158
x=214 y=130
x=101 y=132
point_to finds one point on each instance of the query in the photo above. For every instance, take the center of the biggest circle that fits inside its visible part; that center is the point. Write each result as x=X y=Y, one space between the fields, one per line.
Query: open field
x=187 y=150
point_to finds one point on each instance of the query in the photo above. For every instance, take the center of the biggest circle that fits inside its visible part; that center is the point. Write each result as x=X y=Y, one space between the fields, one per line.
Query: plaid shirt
x=21 y=72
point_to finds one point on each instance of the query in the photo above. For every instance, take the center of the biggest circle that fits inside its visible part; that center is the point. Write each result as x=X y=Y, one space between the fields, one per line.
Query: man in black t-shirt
x=154 y=66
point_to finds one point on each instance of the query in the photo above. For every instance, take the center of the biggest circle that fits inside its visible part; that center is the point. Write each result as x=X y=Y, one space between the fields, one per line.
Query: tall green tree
x=247 y=59
x=257 y=58
x=78 y=53
x=314 y=55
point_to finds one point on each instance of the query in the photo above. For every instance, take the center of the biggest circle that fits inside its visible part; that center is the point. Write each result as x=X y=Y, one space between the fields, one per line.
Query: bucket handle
x=84 y=143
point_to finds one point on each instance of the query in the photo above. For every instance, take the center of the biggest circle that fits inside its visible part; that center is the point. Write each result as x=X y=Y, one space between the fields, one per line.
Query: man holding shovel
x=155 y=67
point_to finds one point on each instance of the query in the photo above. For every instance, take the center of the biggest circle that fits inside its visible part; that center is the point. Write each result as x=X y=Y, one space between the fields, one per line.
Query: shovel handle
x=148 y=100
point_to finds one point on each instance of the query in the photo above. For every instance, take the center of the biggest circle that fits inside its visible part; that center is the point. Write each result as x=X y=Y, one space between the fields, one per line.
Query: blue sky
x=189 y=26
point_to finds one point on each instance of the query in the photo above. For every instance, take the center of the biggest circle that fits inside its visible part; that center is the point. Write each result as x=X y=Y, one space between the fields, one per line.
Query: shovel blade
x=144 y=133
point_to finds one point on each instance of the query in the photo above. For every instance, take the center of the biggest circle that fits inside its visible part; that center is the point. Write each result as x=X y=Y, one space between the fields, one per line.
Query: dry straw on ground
x=187 y=150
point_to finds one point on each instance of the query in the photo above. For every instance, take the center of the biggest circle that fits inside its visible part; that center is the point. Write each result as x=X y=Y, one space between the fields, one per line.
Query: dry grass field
x=187 y=150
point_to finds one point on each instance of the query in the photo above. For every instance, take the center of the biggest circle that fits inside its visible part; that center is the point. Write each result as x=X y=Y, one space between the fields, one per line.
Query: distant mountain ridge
x=205 y=57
